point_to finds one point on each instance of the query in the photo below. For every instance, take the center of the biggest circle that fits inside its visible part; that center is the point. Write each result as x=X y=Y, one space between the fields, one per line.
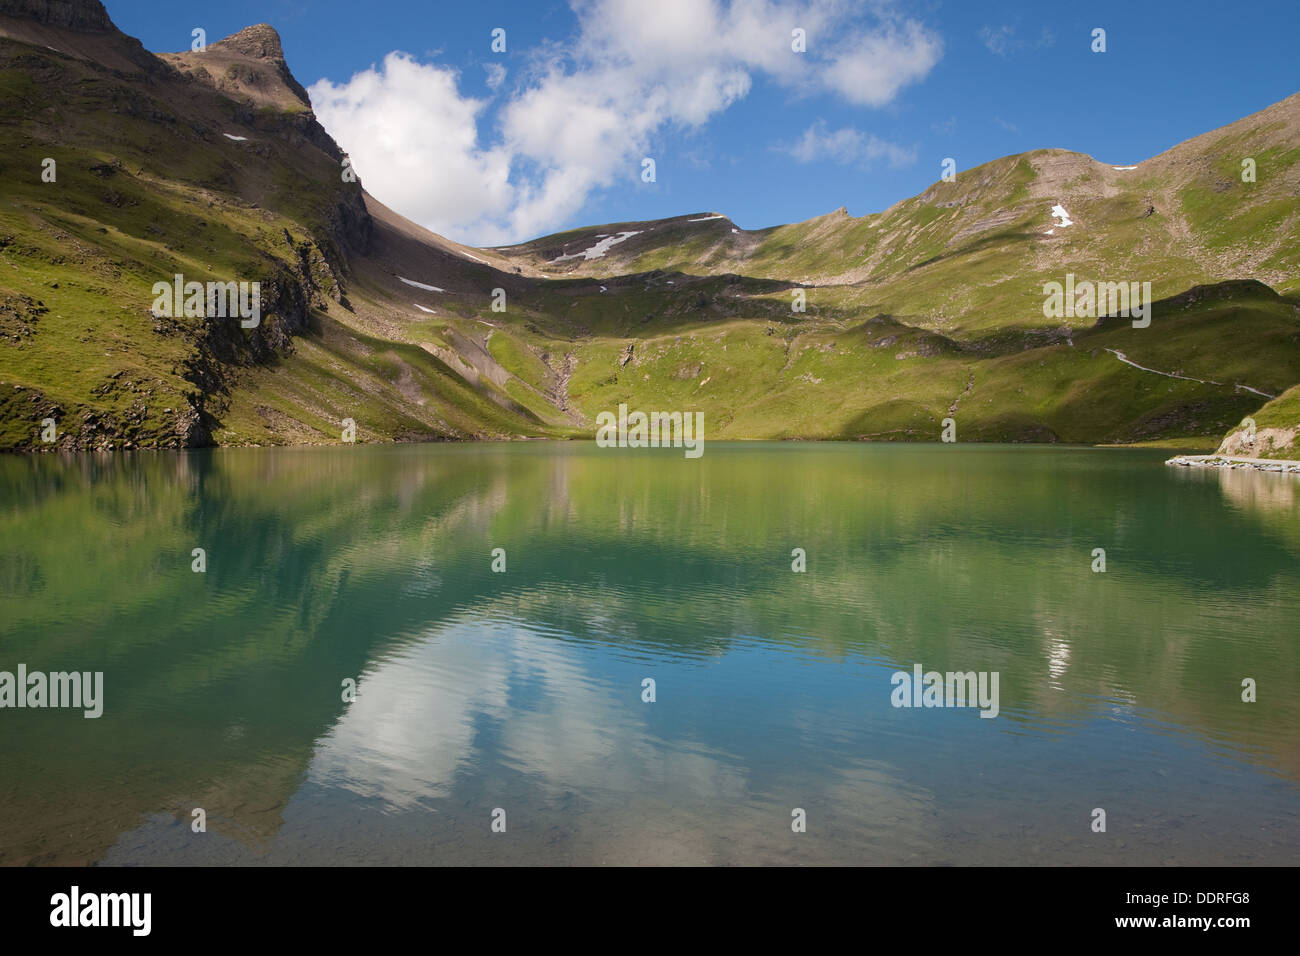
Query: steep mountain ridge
x=79 y=16
x=77 y=28
x=219 y=175
x=122 y=179
x=977 y=246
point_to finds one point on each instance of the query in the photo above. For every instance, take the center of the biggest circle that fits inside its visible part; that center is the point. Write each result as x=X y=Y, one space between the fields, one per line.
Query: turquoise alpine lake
x=556 y=653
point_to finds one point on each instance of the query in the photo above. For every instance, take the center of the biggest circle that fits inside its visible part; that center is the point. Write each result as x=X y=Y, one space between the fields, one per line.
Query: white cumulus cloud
x=414 y=141
x=578 y=119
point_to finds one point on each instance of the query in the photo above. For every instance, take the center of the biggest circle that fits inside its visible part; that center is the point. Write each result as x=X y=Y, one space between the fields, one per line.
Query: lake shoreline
x=77 y=449
x=1274 y=465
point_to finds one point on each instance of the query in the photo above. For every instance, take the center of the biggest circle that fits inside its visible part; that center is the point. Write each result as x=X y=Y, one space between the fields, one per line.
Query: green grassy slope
x=965 y=261
x=886 y=379
x=148 y=183
x=928 y=310
x=972 y=255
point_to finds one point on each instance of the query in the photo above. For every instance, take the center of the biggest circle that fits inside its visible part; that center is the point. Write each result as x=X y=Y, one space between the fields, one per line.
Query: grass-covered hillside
x=121 y=171
x=970 y=257
x=211 y=164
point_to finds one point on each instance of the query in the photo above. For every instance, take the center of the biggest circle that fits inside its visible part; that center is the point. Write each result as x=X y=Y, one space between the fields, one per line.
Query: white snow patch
x=1123 y=167
x=706 y=219
x=421 y=285
x=474 y=257
x=599 y=249
x=1050 y=232
x=603 y=289
x=735 y=230
x=1058 y=211
x=423 y=309
x=237 y=139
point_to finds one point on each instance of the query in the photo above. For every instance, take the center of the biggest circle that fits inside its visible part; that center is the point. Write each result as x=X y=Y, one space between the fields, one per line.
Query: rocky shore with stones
x=1277 y=465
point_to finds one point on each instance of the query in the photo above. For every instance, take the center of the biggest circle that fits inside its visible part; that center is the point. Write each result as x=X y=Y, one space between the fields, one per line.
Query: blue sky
x=489 y=148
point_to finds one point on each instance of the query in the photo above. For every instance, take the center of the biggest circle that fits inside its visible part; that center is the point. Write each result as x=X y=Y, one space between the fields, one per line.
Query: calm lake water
x=523 y=691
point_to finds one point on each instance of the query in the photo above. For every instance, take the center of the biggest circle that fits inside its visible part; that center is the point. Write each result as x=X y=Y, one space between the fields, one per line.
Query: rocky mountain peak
x=259 y=41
